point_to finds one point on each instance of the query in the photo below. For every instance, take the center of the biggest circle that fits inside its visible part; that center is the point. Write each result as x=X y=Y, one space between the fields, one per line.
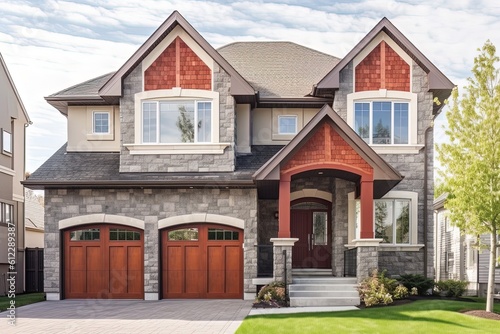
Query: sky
x=51 y=45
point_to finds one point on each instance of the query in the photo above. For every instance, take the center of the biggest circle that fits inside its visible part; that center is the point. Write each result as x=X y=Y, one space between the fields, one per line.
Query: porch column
x=366 y=231
x=284 y=209
x=282 y=259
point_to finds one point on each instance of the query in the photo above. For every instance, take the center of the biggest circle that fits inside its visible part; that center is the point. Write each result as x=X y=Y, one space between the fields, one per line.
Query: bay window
x=176 y=121
x=382 y=122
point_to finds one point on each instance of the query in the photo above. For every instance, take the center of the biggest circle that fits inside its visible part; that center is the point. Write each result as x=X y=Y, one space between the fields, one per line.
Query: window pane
x=400 y=123
x=149 y=122
x=204 y=122
x=113 y=234
x=186 y=234
x=320 y=228
x=177 y=122
x=362 y=120
x=357 y=219
x=287 y=124
x=381 y=122
x=402 y=214
x=6 y=141
x=101 y=122
x=383 y=221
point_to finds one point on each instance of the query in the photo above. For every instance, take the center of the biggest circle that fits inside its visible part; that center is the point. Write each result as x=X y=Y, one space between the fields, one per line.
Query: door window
x=320 y=228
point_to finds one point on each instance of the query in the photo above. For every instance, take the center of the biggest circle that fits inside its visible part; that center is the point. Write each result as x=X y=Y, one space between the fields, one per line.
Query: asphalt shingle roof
x=279 y=69
x=87 y=88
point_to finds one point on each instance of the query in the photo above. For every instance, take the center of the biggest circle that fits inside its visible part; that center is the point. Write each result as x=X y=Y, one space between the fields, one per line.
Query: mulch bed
x=483 y=314
x=264 y=304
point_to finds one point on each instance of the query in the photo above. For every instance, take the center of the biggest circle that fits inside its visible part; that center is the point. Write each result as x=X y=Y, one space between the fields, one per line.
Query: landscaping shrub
x=422 y=283
x=372 y=290
x=400 y=292
x=273 y=294
x=451 y=287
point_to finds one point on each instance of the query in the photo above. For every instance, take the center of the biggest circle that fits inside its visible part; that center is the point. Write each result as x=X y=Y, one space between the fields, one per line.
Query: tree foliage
x=471 y=158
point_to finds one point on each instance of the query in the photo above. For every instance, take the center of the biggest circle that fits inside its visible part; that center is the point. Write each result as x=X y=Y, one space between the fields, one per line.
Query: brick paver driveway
x=129 y=316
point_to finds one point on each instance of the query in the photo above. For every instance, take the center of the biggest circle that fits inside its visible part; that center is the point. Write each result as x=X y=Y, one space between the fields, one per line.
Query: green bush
x=273 y=293
x=451 y=287
x=372 y=290
x=400 y=292
x=389 y=283
x=422 y=283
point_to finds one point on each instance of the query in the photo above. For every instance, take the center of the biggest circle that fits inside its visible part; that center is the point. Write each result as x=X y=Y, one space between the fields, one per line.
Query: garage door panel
x=76 y=269
x=215 y=269
x=233 y=265
x=195 y=272
x=135 y=263
x=95 y=272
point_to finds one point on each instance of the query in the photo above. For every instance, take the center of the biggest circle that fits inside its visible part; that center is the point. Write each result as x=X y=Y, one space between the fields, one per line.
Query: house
x=13 y=122
x=191 y=170
x=33 y=223
x=461 y=256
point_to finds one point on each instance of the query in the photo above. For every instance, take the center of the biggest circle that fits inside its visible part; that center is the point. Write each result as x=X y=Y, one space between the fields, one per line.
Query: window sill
x=182 y=148
x=397 y=149
x=400 y=248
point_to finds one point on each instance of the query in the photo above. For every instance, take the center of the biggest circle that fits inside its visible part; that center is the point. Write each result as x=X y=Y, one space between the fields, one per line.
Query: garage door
x=202 y=261
x=103 y=261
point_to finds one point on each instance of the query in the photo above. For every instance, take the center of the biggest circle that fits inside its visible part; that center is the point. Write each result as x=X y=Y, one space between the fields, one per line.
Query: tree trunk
x=491 y=272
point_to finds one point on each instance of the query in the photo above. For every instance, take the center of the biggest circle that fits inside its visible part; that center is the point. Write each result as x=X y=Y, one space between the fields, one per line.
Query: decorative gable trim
x=113 y=87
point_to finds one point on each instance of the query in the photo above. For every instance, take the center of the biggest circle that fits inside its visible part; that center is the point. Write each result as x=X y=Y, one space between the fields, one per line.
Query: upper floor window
x=287 y=124
x=100 y=122
x=179 y=121
x=382 y=122
x=6 y=142
x=6 y=213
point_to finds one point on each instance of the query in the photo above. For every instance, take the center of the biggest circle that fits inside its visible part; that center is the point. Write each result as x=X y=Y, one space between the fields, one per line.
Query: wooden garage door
x=202 y=261
x=104 y=261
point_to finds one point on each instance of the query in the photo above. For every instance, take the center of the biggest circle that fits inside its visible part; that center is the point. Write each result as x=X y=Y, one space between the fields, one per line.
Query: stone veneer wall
x=267 y=226
x=340 y=225
x=225 y=162
x=411 y=166
x=149 y=205
x=367 y=259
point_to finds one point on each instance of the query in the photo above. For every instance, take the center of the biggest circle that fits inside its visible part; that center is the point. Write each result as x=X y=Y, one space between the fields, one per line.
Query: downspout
x=426 y=185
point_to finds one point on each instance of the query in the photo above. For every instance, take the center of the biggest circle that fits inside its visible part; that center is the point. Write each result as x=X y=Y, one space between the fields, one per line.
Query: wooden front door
x=312 y=227
x=202 y=261
x=104 y=261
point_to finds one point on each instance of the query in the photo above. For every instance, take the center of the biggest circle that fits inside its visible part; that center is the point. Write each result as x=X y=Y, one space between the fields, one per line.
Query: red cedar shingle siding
x=368 y=72
x=314 y=151
x=193 y=74
x=397 y=71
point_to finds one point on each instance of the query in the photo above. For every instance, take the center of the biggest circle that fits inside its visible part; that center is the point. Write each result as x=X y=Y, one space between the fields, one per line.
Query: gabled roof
x=14 y=89
x=385 y=176
x=438 y=82
x=278 y=69
x=113 y=87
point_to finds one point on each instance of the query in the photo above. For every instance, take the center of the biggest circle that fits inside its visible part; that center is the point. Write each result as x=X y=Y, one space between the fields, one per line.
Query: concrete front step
x=322 y=287
x=316 y=294
x=324 y=280
x=324 y=301
x=311 y=272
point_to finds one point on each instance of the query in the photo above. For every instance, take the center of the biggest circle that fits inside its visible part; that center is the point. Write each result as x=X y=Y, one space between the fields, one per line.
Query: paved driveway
x=129 y=316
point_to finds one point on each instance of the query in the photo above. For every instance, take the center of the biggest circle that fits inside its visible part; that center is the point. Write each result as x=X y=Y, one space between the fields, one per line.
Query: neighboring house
x=13 y=122
x=461 y=256
x=34 y=219
x=188 y=161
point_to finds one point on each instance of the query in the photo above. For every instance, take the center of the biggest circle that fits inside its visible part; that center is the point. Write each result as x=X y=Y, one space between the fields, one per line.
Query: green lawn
x=24 y=299
x=423 y=316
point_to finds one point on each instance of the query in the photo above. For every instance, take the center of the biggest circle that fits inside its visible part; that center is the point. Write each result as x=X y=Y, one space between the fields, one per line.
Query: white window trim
x=384 y=95
x=91 y=135
x=395 y=194
x=138 y=148
x=295 y=117
x=11 y=144
x=93 y=122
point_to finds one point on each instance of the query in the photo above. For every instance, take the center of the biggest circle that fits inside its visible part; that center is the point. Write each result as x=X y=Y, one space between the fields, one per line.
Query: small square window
x=6 y=142
x=101 y=122
x=287 y=125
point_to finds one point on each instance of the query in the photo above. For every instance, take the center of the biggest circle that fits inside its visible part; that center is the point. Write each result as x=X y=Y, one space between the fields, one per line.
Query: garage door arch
x=103 y=261
x=201 y=260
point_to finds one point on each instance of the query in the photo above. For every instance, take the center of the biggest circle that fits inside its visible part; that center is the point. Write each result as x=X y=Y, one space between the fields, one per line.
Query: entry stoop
x=320 y=290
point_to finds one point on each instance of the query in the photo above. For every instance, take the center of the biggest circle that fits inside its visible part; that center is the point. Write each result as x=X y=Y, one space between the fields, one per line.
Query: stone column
x=280 y=245
x=367 y=257
x=151 y=258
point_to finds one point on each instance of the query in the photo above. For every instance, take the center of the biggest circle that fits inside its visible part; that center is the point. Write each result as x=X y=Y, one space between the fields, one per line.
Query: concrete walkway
x=129 y=316
x=309 y=309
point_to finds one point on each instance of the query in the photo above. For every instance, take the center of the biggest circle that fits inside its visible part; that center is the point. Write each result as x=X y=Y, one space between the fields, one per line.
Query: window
x=183 y=234
x=287 y=125
x=449 y=259
x=85 y=235
x=382 y=122
x=122 y=234
x=320 y=228
x=220 y=234
x=6 y=142
x=6 y=213
x=100 y=122
x=180 y=121
x=471 y=253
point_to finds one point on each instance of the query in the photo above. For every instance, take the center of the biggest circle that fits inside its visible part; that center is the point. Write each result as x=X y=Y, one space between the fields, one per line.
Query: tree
x=471 y=158
x=185 y=125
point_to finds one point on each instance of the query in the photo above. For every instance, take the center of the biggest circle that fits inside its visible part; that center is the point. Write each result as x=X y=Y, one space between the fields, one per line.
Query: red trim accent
x=366 y=231
x=284 y=209
x=382 y=64
x=177 y=62
x=286 y=175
